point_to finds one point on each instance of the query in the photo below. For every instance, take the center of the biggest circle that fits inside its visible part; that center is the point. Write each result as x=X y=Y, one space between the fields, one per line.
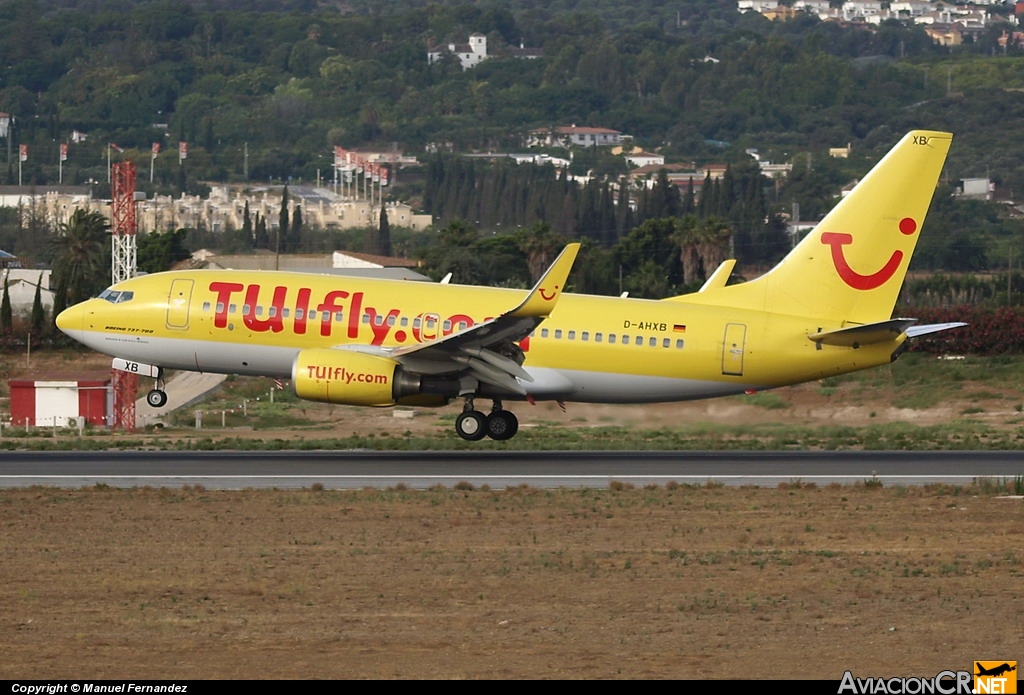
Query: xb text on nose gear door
x=178 y=300
x=732 y=349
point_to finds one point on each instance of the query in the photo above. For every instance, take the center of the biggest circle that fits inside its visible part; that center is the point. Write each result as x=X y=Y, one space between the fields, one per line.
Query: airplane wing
x=488 y=350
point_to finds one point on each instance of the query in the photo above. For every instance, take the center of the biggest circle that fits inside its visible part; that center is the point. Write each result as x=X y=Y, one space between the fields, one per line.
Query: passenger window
x=206 y=306
x=572 y=335
x=220 y=307
x=558 y=333
x=666 y=342
x=585 y=335
x=611 y=338
x=679 y=344
x=543 y=333
x=653 y=342
x=597 y=337
x=299 y=313
x=232 y=308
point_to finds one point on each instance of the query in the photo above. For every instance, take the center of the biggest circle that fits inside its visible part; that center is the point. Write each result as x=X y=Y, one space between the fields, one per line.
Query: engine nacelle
x=346 y=377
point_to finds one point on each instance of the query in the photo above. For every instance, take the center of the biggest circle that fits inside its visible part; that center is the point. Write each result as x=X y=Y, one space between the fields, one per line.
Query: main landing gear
x=157 y=398
x=472 y=425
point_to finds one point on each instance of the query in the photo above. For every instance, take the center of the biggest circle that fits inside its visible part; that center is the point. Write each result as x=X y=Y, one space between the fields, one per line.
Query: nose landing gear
x=472 y=425
x=157 y=398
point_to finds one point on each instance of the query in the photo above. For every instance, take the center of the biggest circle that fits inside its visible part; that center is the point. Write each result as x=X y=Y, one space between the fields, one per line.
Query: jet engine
x=343 y=376
x=357 y=378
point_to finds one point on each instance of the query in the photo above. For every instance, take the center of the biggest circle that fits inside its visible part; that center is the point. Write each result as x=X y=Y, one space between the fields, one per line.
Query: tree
x=297 y=228
x=81 y=261
x=261 y=239
x=158 y=252
x=6 y=317
x=540 y=245
x=247 y=231
x=283 y=242
x=38 y=313
x=703 y=245
x=383 y=246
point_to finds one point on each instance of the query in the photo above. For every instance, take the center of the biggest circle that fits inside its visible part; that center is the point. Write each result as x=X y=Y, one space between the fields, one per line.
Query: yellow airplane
x=825 y=309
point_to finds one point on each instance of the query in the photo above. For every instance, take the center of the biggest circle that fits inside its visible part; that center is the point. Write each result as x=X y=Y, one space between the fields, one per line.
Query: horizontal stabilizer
x=915 y=331
x=881 y=332
x=864 y=334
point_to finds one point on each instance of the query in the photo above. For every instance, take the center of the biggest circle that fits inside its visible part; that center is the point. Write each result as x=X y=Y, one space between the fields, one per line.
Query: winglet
x=719 y=277
x=544 y=295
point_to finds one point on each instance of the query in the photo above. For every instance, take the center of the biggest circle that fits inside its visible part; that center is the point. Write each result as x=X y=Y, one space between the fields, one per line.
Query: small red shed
x=56 y=400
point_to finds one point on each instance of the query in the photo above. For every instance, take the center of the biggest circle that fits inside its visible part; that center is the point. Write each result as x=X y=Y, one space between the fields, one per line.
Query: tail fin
x=851 y=266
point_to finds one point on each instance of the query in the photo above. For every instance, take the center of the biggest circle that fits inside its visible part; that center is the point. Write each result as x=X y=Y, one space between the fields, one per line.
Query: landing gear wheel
x=156 y=398
x=471 y=425
x=502 y=425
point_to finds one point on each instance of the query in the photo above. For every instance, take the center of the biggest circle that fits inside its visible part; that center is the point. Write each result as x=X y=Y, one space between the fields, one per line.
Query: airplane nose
x=71 y=320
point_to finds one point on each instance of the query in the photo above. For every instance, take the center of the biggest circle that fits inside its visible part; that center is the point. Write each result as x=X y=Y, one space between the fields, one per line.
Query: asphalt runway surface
x=542 y=469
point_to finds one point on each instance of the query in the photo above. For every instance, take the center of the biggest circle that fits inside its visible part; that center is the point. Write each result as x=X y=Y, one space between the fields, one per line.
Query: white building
x=469 y=54
x=574 y=136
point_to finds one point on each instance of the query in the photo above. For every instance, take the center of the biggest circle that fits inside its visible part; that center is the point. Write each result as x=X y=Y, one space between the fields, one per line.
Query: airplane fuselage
x=591 y=348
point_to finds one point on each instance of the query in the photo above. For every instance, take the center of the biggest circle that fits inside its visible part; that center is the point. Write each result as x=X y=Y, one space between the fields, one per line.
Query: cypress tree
x=297 y=228
x=283 y=242
x=262 y=239
x=247 y=230
x=384 y=234
x=6 y=315
x=38 y=313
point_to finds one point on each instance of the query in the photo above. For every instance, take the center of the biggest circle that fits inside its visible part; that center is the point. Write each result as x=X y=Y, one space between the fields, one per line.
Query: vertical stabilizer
x=851 y=266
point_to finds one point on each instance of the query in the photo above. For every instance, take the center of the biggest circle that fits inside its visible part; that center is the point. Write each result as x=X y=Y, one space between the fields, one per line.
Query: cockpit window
x=116 y=296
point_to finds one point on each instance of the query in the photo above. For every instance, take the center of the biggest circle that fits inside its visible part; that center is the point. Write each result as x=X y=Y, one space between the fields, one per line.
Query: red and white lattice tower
x=122 y=222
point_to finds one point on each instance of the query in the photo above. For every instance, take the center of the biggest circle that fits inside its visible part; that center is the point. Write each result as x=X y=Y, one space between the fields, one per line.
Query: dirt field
x=635 y=583
x=471 y=584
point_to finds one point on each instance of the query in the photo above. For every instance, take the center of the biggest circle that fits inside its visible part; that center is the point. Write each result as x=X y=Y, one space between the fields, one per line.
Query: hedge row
x=989 y=331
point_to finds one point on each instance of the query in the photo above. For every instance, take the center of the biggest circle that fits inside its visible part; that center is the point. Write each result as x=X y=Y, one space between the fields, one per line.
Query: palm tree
x=81 y=261
x=540 y=245
x=703 y=245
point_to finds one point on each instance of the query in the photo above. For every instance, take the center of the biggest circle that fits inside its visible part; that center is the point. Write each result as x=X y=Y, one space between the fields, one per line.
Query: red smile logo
x=850 y=276
x=544 y=295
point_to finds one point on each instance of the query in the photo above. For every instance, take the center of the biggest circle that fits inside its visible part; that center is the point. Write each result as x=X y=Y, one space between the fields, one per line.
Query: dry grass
x=672 y=582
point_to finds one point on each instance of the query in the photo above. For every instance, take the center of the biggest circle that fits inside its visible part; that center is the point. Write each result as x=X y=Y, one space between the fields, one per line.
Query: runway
x=542 y=469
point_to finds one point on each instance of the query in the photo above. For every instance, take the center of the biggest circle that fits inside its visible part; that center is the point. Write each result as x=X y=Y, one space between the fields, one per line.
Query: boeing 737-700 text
x=825 y=309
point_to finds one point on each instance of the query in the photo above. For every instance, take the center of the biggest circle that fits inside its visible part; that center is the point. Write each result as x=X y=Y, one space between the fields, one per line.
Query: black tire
x=471 y=425
x=156 y=398
x=502 y=425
